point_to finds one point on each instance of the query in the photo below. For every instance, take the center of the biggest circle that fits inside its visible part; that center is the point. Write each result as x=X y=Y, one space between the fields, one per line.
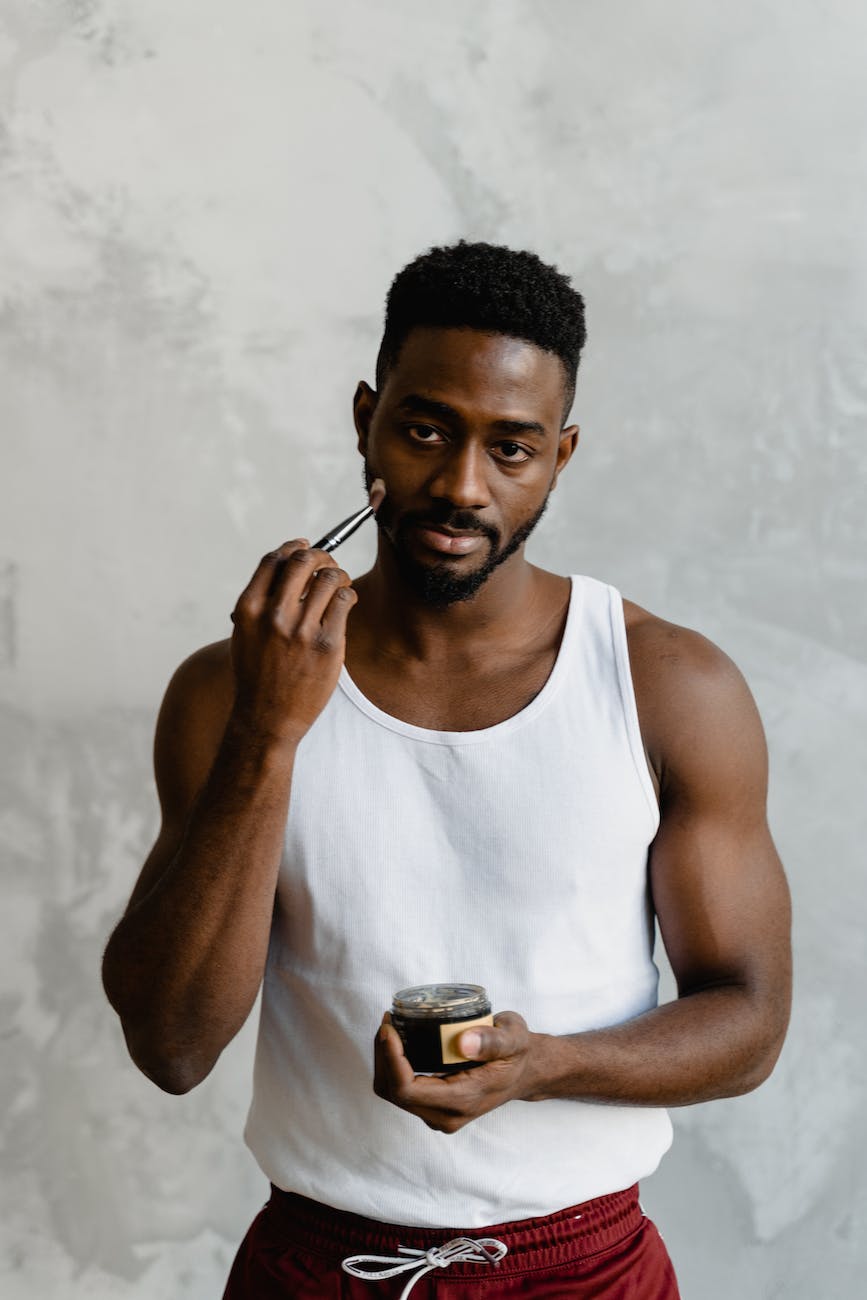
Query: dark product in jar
x=431 y=1017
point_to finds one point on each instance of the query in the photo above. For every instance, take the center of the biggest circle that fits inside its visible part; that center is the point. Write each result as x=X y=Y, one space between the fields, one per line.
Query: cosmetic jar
x=431 y=1017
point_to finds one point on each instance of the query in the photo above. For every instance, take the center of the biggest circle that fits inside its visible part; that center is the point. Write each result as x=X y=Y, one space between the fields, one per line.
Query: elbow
x=778 y=1011
x=173 y=1071
x=764 y=1052
x=751 y=1077
x=762 y=1065
x=175 y=1068
x=174 y=1077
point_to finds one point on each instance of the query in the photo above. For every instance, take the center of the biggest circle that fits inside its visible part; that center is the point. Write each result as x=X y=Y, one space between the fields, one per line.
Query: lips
x=447 y=541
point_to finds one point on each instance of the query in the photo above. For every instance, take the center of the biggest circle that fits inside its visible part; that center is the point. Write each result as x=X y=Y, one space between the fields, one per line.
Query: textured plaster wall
x=202 y=207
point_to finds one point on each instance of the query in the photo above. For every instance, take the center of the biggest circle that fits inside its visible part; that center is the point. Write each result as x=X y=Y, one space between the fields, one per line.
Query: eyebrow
x=429 y=405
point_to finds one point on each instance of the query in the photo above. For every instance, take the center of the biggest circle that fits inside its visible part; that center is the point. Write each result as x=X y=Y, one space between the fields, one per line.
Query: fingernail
x=470 y=1043
x=383 y=1031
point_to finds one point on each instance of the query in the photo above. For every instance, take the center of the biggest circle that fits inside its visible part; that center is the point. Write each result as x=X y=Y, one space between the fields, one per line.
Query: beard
x=437 y=584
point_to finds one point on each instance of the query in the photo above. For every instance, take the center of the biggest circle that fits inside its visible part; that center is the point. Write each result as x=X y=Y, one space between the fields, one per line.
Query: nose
x=461 y=478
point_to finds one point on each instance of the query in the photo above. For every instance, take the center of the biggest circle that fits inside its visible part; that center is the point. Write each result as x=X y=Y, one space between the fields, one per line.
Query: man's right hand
x=289 y=641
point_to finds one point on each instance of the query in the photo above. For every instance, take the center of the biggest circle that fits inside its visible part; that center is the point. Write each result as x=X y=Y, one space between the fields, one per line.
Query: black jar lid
x=445 y=1001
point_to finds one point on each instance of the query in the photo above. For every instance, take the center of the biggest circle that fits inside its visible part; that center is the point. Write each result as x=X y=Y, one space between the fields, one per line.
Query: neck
x=405 y=625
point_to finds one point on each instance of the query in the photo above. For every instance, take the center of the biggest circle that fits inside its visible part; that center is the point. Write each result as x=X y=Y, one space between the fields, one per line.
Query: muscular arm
x=184 y=965
x=723 y=908
x=720 y=897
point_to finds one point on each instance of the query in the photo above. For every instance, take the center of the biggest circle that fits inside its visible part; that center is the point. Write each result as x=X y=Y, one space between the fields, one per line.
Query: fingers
x=448 y=1103
x=324 y=586
x=444 y=1104
x=304 y=575
x=395 y=1080
x=336 y=613
x=391 y=1070
x=252 y=599
x=288 y=642
x=296 y=576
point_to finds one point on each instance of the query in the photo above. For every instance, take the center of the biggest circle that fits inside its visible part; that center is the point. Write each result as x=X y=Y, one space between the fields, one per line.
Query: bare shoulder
x=192 y=719
x=209 y=669
x=696 y=711
x=675 y=655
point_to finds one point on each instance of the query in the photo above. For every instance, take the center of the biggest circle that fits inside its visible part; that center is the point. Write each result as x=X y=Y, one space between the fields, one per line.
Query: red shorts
x=611 y=1252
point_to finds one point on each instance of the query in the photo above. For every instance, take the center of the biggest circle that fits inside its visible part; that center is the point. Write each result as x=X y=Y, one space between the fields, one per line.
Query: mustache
x=445 y=517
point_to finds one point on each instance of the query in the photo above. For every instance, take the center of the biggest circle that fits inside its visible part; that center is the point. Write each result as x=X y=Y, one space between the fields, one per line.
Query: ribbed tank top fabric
x=513 y=857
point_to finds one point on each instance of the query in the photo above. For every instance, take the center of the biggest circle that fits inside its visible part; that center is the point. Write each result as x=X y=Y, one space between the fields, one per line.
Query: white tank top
x=514 y=857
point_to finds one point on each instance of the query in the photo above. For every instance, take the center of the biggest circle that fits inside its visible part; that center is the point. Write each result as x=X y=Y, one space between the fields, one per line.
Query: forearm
x=718 y=1042
x=185 y=963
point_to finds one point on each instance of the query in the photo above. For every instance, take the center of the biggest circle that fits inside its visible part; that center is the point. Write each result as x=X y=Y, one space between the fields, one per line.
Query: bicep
x=722 y=904
x=189 y=729
x=718 y=885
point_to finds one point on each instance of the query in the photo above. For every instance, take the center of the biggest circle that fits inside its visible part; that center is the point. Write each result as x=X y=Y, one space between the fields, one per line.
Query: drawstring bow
x=460 y=1250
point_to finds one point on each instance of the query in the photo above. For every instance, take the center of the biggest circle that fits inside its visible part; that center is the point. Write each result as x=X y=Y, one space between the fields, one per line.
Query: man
x=460 y=767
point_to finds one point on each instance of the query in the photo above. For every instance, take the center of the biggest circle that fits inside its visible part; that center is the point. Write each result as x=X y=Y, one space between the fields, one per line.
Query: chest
x=463 y=697
x=488 y=859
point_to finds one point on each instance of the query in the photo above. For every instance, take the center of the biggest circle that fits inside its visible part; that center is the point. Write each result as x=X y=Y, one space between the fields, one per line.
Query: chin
x=439 y=585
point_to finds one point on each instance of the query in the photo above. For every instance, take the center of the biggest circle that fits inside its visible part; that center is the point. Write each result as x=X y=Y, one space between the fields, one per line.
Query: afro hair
x=491 y=288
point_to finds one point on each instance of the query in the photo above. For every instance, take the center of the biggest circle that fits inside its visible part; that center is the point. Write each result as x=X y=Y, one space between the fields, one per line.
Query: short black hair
x=491 y=288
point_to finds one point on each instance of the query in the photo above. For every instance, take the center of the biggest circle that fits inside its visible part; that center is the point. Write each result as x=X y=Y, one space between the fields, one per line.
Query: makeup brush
x=339 y=533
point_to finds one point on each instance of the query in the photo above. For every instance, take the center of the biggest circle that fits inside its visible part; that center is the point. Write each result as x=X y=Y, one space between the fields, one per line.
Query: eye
x=424 y=433
x=513 y=452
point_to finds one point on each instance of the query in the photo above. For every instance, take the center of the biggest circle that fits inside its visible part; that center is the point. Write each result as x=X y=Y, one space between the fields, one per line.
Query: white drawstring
x=460 y=1250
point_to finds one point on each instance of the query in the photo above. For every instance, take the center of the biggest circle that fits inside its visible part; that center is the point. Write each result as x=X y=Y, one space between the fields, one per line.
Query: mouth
x=449 y=541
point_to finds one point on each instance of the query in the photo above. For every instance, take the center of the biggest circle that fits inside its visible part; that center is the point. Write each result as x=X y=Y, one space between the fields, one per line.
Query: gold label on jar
x=449 y=1035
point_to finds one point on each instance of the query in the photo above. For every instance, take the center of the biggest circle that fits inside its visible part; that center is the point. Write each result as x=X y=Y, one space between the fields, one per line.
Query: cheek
x=385 y=516
x=381 y=461
x=403 y=474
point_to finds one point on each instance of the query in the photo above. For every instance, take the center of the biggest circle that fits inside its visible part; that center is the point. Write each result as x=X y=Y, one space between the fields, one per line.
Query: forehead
x=495 y=373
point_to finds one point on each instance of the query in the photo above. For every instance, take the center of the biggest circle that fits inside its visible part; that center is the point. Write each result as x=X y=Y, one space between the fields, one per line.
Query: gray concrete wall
x=202 y=207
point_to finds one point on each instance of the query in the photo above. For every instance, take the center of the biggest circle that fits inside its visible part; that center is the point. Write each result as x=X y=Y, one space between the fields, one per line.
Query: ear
x=567 y=444
x=363 y=407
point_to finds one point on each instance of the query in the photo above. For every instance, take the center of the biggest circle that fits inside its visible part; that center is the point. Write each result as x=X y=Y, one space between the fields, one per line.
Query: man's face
x=466 y=433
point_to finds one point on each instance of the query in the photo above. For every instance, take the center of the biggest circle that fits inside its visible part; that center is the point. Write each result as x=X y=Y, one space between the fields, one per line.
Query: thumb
x=493 y=1042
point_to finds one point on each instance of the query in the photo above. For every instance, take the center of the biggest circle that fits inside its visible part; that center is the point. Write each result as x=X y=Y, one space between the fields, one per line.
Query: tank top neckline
x=499 y=729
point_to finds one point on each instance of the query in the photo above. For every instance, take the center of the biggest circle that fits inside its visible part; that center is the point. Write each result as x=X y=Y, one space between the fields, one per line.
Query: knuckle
x=286 y=548
x=300 y=559
x=445 y=1124
x=322 y=643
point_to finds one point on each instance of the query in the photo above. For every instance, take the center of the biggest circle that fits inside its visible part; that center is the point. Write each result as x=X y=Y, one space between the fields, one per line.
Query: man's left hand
x=446 y=1103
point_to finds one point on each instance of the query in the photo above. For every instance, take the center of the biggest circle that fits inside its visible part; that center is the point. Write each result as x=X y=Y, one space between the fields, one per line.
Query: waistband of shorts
x=575 y=1233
